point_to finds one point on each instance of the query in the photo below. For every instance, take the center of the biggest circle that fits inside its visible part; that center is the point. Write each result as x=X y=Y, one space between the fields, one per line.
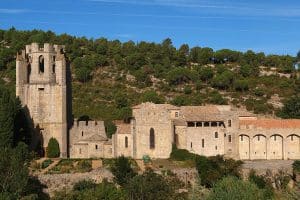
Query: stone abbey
x=43 y=85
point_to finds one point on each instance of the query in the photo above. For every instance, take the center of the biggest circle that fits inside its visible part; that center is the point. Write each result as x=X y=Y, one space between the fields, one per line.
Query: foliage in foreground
x=230 y=188
x=83 y=191
x=122 y=170
x=212 y=169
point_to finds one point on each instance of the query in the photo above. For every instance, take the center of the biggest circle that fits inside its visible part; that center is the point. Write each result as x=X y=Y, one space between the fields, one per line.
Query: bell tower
x=41 y=85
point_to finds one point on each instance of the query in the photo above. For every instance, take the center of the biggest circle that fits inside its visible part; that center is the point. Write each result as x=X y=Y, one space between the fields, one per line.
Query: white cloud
x=12 y=11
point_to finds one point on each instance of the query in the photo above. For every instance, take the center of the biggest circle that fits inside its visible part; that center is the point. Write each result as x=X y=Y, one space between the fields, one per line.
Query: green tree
x=13 y=172
x=122 y=170
x=212 y=169
x=53 y=150
x=152 y=186
x=241 y=85
x=7 y=115
x=230 y=188
x=152 y=96
x=291 y=108
x=110 y=128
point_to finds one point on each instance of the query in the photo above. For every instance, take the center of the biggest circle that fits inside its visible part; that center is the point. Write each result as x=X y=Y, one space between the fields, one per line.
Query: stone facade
x=42 y=85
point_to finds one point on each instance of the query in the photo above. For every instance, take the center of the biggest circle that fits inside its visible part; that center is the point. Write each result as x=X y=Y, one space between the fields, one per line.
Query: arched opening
x=244 y=147
x=28 y=72
x=53 y=68
x=126 y=142
x=41 y=64
x=293 y=146
x=259 y=147
x=275 y=150
x=152 y=139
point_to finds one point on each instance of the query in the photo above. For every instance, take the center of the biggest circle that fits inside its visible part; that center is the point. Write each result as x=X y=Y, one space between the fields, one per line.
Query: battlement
x=48 y=48
x=84 y=124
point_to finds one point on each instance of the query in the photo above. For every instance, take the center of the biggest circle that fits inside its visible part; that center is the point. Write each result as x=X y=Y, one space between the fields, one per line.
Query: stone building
x=42 y=85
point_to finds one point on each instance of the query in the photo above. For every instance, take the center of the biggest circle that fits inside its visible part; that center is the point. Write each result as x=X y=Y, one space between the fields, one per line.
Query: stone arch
x=152 y=139
x=292 y=144
x=275 y=147
x=259 y=147
x=244 y=147
x=41 y=64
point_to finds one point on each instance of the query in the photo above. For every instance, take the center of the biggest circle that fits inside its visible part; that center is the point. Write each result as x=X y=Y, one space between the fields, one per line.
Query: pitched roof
x=272 y=123
x=123 y=128
x=201 y=113
x=160 y=106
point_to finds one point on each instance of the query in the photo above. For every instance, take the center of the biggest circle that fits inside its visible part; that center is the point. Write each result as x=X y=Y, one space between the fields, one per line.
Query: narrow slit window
x=126 y=142
x=202 y=143
x=216 y=135
x=229 y=138
x=152 y=139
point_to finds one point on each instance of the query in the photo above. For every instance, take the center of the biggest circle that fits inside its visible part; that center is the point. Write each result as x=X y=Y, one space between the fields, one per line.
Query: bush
x=84 y=165
x=152 y=186
x=46 y=163
x=84 y=184
x=231 y=188
x=181 y=154
x=53 y=148
x=296 y=166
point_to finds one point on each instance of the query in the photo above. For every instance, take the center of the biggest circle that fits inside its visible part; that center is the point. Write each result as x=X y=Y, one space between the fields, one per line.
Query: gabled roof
x=201 y=113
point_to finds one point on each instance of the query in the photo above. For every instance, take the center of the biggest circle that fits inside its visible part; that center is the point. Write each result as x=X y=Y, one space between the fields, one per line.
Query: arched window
x=126 y=142
x=41 y=64
x=152 y=139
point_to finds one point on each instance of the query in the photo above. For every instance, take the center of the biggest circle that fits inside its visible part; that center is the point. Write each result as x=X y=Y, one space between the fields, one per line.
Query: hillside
x=109 y=76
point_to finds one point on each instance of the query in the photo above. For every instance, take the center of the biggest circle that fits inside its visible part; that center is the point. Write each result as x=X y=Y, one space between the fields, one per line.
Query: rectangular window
x=202 y=143
x=41 y=89
x=191 y=145
x=96 y=146
x=229 y=123
x=229 y=138
x=216 y=147
x=191 y=124
x=216 y=134
x=176 y=114
x=258 y=138
x=242 y=138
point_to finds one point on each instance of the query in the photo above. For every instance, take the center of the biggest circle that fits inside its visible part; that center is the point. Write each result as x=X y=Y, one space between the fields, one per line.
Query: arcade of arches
x=276 y=146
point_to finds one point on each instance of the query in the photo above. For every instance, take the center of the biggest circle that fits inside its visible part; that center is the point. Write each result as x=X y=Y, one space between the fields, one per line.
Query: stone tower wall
x=44 y=92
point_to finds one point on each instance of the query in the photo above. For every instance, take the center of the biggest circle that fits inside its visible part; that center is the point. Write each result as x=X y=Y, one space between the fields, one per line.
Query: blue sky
x=269 y=26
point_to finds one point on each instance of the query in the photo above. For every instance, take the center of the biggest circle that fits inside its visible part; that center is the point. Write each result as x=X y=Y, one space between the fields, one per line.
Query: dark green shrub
x=84 y=184
x=181 y=154
x=53 y=148
x=296 y=166
x=46 y=163
x=84 y=165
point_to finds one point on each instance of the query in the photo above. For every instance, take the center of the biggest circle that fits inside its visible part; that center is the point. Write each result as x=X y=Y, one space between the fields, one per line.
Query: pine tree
x=7 y=114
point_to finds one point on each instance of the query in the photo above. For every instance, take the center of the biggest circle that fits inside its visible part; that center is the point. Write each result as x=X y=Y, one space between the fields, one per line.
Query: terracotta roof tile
x=272 y=123
x=123 y=128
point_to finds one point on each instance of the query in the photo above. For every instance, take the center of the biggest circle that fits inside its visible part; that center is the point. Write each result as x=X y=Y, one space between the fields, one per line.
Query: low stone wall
x=57 y=182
